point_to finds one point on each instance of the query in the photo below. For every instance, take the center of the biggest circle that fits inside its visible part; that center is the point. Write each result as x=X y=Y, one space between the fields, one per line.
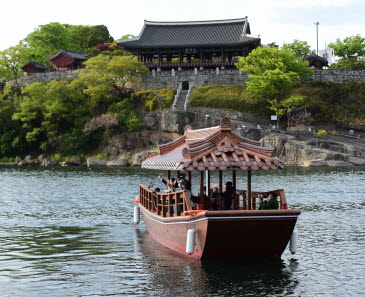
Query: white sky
x=275 y=20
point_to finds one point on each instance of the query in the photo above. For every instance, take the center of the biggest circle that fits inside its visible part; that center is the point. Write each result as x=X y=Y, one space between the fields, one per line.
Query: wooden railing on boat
x=165 y=204
x=242 y=201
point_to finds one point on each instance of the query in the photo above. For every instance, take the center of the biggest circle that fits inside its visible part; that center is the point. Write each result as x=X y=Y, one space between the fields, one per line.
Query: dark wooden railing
x=165 y=204
x=253 y=203
x=187 y=65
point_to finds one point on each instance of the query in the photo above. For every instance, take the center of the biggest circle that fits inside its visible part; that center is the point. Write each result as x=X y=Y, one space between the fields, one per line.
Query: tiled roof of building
x=192 y=34
x=216 y=148
x=315 y=59
x=77 y=55
x=36 y=65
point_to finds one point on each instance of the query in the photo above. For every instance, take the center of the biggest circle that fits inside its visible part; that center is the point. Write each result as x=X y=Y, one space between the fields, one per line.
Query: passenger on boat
x=214 y=197
x=183 y=183
x=272 y=203
x=171 y=184
x=228 y=195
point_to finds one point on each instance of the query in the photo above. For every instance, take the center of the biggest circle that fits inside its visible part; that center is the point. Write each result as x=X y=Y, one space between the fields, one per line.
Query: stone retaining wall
x=198 y=77
x=46 y=76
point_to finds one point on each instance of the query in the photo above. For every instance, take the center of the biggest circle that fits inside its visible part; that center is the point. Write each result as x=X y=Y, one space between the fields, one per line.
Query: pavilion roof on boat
x=215 y=148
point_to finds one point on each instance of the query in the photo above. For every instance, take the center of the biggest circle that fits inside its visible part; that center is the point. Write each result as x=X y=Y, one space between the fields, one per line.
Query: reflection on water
x=68 y=232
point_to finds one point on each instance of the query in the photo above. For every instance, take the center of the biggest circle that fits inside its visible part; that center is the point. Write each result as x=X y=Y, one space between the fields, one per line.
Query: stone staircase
x=181 y=100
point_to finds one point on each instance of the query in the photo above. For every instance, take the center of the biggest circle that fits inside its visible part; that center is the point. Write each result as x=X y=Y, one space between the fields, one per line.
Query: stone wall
x=198 y=77
x=337 y=75
x=46 y=76
x=195 y=78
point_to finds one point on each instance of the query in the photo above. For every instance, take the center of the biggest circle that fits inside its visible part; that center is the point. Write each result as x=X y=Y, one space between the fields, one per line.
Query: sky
x=279 y=21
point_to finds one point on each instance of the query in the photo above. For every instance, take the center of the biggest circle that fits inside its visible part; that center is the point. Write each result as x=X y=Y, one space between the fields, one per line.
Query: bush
x=126 y=115
x=228 y=97
x=154 y=99
x=335 y=102
x=321 y=133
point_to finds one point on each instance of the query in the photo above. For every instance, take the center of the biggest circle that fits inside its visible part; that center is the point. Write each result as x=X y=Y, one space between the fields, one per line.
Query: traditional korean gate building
x=189 y=45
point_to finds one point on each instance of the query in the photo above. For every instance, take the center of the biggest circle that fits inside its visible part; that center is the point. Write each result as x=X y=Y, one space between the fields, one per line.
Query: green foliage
x=106 y=77
x=273 y=74
x=353 y=46
x=301 y=49
x=126 y=115
x=11 y=61
x=49 y=39
x=352 y=63
x=155 y=99
x=334 y=102
x=321 y=133
x=227 y=97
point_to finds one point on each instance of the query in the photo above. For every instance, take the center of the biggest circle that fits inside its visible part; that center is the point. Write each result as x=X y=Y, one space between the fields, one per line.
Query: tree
x=301 y=49
x=11 y=61
x=47 y=40
x=353 y=46
x=272 y=74
x=128 y=36
x=106 y=78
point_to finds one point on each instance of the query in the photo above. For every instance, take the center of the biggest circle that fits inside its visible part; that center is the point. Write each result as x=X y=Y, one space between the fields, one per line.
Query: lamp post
x=317 y=23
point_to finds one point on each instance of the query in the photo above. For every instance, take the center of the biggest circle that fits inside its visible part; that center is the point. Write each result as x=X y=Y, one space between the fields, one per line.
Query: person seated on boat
x=157 y=190
x=183 y=183
x=214 y=198
x=228 y=195
x=150 y=187
x=272 y=203
x=172 y=180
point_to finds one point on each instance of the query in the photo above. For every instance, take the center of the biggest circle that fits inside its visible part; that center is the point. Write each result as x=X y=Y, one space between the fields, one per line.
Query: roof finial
x=225 y=123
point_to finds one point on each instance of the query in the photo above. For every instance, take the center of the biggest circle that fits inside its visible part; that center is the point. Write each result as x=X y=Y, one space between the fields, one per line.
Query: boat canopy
x=215 y=148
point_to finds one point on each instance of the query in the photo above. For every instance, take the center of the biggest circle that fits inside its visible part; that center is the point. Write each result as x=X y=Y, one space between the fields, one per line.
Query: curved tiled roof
x=35 y=65
x=192 y=34
x=215 y=148
x=77 y=55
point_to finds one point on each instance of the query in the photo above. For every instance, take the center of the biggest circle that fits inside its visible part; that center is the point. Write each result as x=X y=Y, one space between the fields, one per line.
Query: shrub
x=154 y=99
x=228 y=97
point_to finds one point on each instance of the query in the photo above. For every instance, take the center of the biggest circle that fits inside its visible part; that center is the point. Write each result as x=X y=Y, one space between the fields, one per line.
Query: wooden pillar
x=249 y=174
x=220 y=181
x=180 y=59
x=189 y=176
x=168 y=174
x=235 y=188
x=178 y=173
x=202 y=187
x=207 y=189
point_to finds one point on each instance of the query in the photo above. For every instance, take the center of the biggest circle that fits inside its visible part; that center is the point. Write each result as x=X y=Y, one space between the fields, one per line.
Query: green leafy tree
x=301 y=49
x=106 y=78
x=128 y=36
x=273 y=74
x=11 y=61
x=353 y=46
x=46 y=41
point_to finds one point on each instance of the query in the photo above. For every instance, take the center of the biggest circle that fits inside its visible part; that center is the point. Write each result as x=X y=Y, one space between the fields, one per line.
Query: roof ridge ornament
x=186 y=153
x=187 y=127
x=225 y=123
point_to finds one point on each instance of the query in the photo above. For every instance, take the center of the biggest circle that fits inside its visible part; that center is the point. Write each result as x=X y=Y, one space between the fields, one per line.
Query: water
x=68 y=232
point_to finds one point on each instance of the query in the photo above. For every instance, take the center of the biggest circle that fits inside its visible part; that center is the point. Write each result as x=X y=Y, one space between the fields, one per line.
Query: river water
x=68 y=232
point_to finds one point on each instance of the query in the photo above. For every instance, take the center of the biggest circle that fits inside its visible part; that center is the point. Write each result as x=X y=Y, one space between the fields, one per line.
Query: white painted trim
x=222 y=218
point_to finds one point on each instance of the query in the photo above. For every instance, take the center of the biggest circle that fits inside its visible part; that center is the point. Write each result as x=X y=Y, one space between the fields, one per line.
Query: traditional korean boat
x=243 y=231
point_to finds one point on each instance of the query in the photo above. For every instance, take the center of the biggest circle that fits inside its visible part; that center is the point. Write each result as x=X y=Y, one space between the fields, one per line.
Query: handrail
x=187 y=98
x=176 y=98
x=165 y=204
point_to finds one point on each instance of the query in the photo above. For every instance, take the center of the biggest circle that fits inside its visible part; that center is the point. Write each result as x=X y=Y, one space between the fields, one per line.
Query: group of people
x=217 y=198
x=173 y=184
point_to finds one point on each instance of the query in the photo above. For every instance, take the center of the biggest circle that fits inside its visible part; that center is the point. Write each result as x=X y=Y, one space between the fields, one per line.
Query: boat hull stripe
x=223 y=218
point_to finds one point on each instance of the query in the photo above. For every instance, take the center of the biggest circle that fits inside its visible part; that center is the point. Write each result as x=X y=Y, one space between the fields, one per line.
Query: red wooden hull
x=224 y=234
